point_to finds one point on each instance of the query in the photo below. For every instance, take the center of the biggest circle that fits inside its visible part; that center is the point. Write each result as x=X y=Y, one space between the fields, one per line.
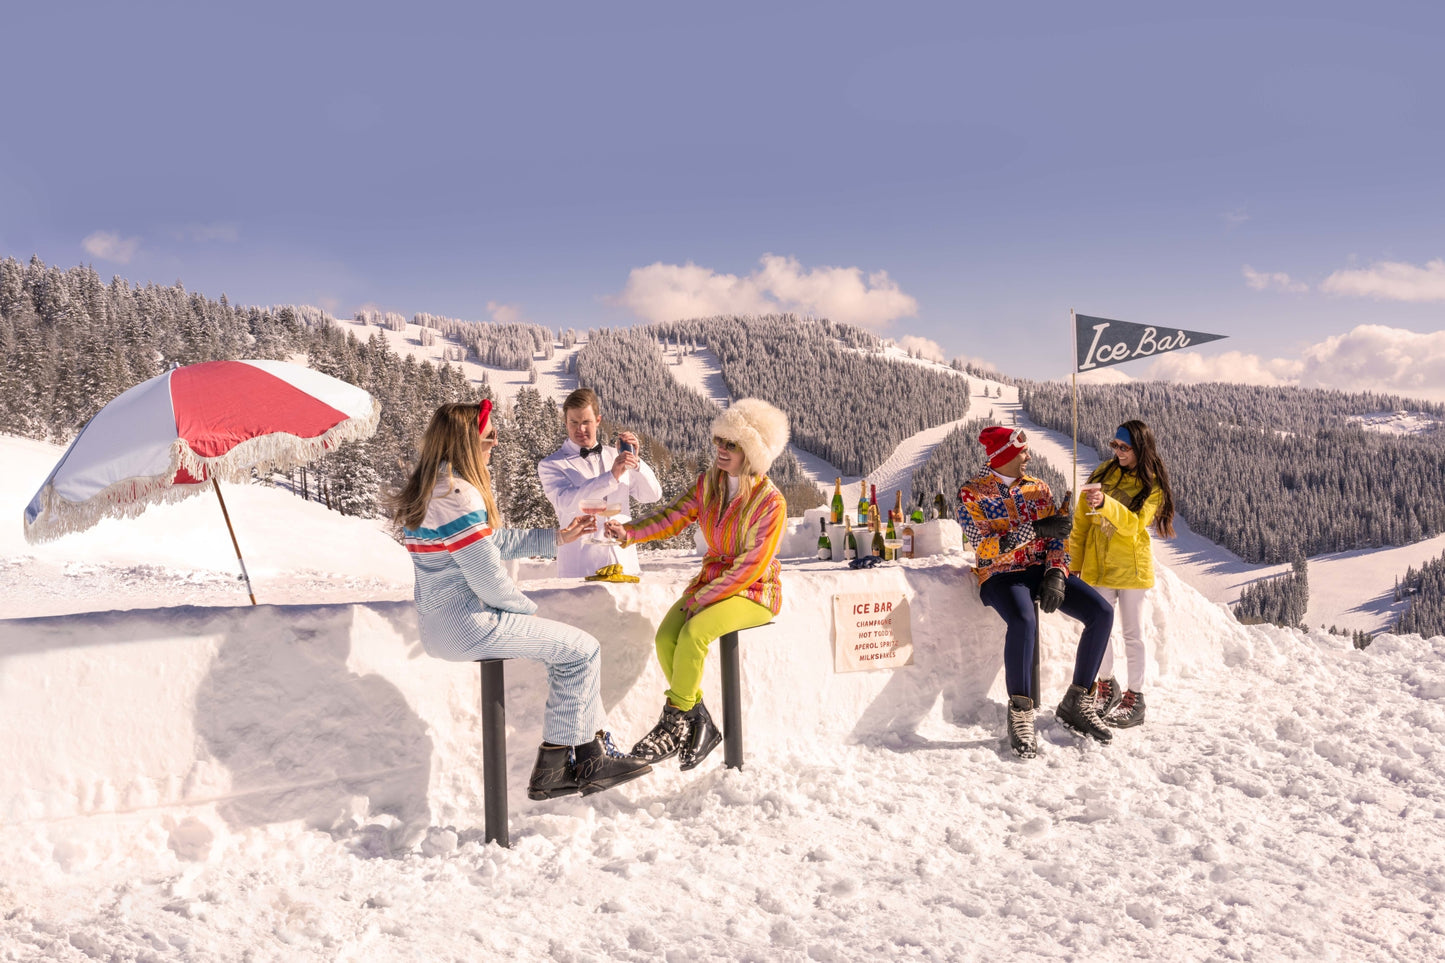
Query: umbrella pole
x=227 y=516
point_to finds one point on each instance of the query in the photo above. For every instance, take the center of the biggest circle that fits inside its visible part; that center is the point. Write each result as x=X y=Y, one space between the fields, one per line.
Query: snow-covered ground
x=1398 y=422
x=299 y=782
x=552 y=377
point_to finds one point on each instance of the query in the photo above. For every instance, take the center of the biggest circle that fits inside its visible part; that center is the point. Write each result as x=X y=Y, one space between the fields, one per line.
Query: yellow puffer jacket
x=1112 y=549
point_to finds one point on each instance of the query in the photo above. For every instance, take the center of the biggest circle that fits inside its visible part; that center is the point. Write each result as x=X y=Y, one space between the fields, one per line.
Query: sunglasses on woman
x=720 y=442
x=1120 y=446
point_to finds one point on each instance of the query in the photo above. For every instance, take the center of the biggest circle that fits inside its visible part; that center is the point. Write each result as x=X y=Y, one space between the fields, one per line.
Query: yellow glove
x=610 y=573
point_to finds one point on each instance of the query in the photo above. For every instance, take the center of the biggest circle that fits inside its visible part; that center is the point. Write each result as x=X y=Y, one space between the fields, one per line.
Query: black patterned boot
x=601 y=766
x=1130 y=712
x=1021 y=737
x=666 y=738
x=1077 y=714
x=552 y=776
x=702 y=737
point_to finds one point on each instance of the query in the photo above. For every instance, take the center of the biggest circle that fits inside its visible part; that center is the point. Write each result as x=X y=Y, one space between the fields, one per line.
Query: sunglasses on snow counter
x=720 y=442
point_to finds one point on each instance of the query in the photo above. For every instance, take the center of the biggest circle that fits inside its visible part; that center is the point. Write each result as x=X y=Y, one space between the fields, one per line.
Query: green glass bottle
x=862 y=503
x=837 y=505
x=850 y=544
x=825 y=544
x=940 y=507
x=917 y=515
x=879 y=548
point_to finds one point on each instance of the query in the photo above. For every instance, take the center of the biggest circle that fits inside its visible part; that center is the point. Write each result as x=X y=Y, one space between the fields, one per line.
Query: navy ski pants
x=1012 y=594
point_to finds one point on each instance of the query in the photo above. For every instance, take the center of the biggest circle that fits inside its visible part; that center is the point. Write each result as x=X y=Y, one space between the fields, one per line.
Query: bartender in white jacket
x=581 y=469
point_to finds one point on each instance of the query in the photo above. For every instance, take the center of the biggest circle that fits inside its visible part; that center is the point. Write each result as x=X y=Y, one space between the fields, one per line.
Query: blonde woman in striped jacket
x=741 y=515
x=469 y=608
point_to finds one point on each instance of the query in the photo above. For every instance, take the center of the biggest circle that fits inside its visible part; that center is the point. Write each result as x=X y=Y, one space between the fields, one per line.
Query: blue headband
x=1123 y=435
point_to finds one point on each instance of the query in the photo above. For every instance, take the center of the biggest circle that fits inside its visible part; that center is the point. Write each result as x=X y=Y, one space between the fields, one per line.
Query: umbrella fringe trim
x=132 y=496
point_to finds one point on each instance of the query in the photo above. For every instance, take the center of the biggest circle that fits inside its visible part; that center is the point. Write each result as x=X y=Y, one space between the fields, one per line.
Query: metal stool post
x=494 y=750
x=732 y=692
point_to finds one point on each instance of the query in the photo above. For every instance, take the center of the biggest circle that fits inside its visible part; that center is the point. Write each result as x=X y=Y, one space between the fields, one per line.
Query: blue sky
x=959 y=174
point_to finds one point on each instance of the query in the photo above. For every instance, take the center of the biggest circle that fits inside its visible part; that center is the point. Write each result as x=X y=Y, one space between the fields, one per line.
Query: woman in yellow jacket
x=1110 y=549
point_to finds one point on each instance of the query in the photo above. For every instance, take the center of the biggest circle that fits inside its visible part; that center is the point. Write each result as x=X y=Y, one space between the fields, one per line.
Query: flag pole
x=1074 y=377
x=227 y=516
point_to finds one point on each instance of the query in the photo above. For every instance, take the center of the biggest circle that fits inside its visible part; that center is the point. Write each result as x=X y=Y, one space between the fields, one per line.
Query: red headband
x=484 y=414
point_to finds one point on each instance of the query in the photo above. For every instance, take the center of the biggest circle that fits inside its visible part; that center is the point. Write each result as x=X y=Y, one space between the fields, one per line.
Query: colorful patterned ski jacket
x=742 y=542
x=998 y=523
x=1112 y=549
x=461 y=585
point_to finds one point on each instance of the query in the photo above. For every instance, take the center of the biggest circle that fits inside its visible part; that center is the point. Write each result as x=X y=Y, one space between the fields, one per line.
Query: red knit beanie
x=1002 y=445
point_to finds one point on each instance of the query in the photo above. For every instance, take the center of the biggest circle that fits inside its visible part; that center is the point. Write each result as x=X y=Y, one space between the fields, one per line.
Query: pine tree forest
x=1425 y=590
x=846 y=402
x=1271 y=473
x=1281 y=600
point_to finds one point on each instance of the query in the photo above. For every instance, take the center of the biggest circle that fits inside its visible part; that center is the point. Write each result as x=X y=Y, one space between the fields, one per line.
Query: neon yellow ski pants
x=682 y=642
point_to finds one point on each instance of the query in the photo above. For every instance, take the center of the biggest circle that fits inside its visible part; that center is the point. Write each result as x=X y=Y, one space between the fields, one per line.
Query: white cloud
x=1373 y=357
x=1233 y=366
x=504 y=313
x=1391 y=280
x=926 y=348
x=1235 y=217
x=1106 y=376
x=1273 y=280
x=667 y=292
x=1370 y=357
x=109 y=246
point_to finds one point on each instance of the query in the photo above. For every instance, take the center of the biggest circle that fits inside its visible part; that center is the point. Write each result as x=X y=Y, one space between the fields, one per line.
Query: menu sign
x=871 y=630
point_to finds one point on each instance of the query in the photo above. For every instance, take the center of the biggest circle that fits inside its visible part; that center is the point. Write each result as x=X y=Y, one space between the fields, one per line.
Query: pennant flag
x=1102 y=342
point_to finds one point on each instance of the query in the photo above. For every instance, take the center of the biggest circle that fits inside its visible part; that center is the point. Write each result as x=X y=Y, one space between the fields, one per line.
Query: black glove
x=1054 y=526
x=1051 y=590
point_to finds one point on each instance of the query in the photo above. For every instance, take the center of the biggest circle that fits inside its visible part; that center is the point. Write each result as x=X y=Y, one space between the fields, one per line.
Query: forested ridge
x=1272 y=473
x=1425 y=590
x=845 y=401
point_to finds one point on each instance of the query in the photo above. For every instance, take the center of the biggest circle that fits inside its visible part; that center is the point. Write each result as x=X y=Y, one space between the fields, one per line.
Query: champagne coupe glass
x=610 y=509
x=892 y=545
x=595 y=507
x=1085 y=490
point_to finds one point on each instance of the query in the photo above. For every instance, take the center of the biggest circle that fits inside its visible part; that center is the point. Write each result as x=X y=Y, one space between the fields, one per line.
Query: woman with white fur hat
x=742 y=516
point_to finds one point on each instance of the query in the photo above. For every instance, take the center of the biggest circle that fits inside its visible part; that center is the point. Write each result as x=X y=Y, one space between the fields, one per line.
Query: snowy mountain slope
x=553 y=378
x=325 y=798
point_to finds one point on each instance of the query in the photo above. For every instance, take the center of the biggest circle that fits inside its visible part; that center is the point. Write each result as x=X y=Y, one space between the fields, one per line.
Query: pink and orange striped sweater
x=742 y=542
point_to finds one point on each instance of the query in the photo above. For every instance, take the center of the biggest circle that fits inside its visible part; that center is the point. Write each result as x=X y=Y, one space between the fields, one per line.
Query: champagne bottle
x=918 y=515
x=837 y=518
x=879 y=548
x=825 y=544
x=940 y=507
x=873 y=497
x=906 y=549
x=850 y=544
x=863 y=503
x=892 y=532
x=897 y=514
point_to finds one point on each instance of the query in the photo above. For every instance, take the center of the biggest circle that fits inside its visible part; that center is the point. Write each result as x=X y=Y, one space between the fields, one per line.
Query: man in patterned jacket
x=1018 y=537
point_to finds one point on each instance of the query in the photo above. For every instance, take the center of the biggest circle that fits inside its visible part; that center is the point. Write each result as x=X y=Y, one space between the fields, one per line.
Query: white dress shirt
x=568 y=478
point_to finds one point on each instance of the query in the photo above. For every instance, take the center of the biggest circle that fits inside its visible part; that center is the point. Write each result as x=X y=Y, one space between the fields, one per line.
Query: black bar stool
x=494 y=750
x=732 y=693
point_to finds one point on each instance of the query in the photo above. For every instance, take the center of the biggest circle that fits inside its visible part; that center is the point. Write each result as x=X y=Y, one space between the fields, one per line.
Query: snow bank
x=326 y=714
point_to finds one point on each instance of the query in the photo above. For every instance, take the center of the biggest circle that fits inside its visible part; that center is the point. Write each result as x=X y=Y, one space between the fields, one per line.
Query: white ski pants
x=1131 y=617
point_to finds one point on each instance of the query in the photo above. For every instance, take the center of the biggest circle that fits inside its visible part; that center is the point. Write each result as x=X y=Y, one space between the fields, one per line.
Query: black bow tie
x=594 y=450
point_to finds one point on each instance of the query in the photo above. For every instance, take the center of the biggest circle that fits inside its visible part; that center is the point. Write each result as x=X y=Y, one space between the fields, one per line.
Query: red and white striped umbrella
x=167 y=438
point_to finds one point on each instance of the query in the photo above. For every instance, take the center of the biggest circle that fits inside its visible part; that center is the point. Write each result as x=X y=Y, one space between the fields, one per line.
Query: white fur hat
x=759 y=429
